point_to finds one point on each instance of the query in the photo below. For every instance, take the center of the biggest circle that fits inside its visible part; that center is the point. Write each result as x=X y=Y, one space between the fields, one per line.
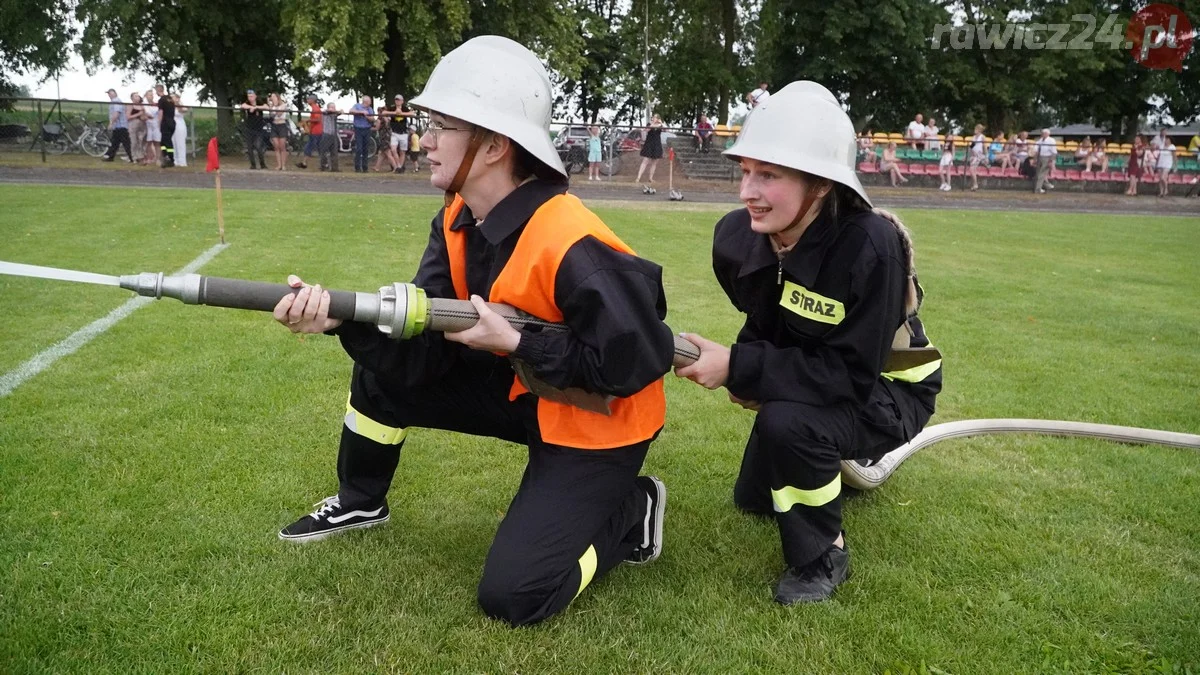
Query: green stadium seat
x=931 y=154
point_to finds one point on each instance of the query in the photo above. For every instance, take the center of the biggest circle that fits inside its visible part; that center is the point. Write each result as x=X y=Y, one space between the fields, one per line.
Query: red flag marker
x=214 y=164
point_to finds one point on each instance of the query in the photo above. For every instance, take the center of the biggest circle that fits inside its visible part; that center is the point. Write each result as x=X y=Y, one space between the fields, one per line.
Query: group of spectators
x=399 y=136
x=1034 y=159
x=149 y=128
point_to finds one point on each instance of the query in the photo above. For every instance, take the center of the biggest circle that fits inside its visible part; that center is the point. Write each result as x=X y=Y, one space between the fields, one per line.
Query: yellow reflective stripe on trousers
x=368 y=428
x=916 y=373
x=587 y=569
x=787 y=497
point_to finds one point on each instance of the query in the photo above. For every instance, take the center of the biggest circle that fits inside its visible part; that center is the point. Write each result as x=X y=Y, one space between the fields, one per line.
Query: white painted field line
x=16 y=377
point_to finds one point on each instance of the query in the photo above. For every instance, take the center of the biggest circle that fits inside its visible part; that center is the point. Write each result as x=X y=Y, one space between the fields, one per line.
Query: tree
x=225 y=46
x=392 y=45
x=697 y=69
x=875 y=56
x=35 y=36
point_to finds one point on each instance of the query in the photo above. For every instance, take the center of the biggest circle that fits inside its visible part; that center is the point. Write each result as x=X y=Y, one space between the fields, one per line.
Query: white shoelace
x=325 y=506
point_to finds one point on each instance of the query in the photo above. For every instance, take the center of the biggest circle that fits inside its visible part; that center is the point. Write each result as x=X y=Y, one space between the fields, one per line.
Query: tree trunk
x=395 y=71
x=728 y=29
x=221 y=89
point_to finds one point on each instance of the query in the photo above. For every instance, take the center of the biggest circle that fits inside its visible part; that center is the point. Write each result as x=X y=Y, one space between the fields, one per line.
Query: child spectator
x=594 y=152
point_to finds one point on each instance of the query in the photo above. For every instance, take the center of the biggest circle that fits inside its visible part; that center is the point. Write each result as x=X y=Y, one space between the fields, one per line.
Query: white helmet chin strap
x=464 y=167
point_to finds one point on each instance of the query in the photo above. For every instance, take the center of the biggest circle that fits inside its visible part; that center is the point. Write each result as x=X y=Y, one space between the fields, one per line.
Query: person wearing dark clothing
x=252 y=130
x=652 y=151
x=166 y=122
x=510 y=233
x=828 y=289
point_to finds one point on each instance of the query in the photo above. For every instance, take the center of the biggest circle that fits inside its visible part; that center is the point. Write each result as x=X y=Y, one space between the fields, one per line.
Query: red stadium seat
x=916 y=169
x=1073 y=174
x=995 y=171
x=1177 y=179
x=1057 y=174
x=1012 y=172
x=868 y=167
x=1089 y=175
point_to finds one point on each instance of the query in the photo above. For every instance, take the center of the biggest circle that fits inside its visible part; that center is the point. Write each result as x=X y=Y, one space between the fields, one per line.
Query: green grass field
x=143 y=479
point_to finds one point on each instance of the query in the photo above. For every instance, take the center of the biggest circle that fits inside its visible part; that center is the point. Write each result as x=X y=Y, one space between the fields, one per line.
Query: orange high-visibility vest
x=527 y=283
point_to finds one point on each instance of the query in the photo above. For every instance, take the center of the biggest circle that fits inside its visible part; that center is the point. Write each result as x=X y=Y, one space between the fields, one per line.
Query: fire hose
x=403 y=311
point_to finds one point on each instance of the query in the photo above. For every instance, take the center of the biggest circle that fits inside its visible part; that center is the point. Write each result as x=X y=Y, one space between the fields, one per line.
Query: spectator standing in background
x=118 y=127
x=1160 y=140
x=759 y=95
x=137 y=128
x=329 y=139
x=383 y=128
x=364 y=119
x=399 y=114
x=153 y=131
x=414 y=149
x=179 y=138
x=1166 y=161
x=252 y=130
x=595 y=153
x=1046 y=151
x=931 y=136
x=279 y=129
x=166 y=125
x=977 y=155
x=946 y=163
x=1133 y=169
x=652 y=151
x=915 y=133
x=314 y=130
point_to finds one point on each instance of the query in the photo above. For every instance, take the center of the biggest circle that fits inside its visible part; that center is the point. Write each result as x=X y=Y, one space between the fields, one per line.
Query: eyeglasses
x=436 y=128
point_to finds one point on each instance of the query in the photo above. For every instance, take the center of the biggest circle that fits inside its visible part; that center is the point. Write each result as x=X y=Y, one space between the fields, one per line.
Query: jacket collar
x=512 y=212
x=804 y=258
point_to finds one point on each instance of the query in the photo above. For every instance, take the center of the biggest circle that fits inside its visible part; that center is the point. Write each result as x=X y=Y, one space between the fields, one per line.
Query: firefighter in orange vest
x=510 y=233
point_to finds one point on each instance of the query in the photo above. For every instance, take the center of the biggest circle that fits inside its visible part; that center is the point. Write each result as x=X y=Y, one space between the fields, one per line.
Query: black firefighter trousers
x=576 y=514
x=791 y=467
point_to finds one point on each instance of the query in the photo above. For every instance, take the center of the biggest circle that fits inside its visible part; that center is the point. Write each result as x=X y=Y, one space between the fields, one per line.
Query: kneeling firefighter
x=828 y=288
x=510 y=233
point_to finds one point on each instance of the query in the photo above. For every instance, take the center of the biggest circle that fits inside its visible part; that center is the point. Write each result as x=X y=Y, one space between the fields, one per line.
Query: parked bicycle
x=86 y=136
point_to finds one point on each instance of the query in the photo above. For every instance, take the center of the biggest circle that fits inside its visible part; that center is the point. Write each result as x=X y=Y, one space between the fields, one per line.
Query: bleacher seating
x=1067 y=168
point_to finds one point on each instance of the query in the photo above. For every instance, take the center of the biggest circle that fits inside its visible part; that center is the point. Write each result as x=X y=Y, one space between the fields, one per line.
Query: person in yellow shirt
x=414 y=150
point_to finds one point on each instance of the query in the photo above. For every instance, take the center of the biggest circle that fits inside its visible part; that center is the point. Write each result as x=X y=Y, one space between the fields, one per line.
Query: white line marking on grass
x=16 y=377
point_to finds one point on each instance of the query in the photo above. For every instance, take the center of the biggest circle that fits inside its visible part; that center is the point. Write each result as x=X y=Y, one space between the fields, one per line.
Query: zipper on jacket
x=779 y=274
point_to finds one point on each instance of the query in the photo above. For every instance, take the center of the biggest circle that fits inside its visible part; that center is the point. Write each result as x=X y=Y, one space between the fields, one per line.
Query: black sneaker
x=650 y=546
x=816 y=581
x=330 y=518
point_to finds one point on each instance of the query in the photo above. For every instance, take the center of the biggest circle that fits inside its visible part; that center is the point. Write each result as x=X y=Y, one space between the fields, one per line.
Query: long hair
x=842 y=202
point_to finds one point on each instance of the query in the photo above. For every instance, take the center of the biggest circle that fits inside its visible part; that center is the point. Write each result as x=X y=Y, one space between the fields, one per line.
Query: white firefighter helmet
x=802 y=127
x=497 y=84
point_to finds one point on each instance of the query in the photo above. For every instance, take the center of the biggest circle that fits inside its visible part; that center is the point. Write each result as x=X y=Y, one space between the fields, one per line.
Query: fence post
x=41 y=131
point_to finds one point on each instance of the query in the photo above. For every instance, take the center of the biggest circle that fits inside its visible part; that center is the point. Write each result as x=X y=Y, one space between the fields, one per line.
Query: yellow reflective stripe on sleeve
x=813 y=306
x=916 y=373
x=787 y=497
x=587 y=569
x=368 y=428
